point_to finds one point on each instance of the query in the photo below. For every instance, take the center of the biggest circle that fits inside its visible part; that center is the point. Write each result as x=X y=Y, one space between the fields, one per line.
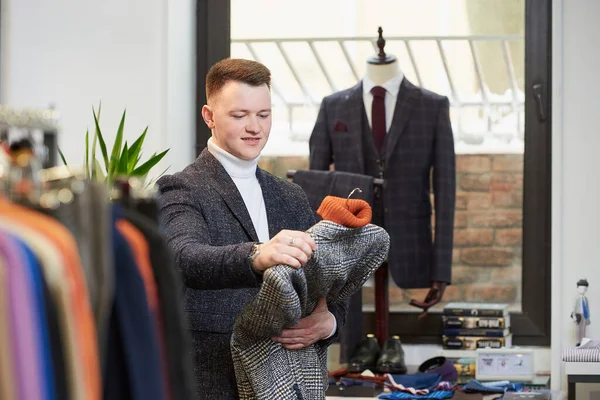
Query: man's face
x=582 y=289
x=240 y=118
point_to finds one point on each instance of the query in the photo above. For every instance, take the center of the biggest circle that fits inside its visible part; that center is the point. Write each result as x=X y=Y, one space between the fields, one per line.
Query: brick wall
x=487 y=235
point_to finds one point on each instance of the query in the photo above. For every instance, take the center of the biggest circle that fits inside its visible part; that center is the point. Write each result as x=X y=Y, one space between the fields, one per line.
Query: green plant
x=123 y=160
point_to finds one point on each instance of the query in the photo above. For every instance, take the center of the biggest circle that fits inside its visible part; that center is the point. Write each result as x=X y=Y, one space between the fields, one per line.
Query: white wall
x=135 y=54
x=576 y=187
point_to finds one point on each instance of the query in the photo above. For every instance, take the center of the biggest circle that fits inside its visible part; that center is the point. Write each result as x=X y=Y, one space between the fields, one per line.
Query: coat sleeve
x=321 y=154
x=202 y=266
x=444 y=191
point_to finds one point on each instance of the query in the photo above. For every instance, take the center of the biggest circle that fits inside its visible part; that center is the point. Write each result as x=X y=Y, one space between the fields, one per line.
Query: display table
x=538 y=382
x=555 y=396
x=581 y=372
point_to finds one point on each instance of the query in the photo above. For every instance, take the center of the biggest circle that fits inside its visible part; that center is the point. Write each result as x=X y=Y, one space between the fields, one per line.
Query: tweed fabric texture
x=345 y=258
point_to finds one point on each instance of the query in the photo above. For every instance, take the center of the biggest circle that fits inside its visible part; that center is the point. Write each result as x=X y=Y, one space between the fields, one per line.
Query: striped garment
x=344 y=260
x=438 y=394
x=576 y=354
x=492 y=387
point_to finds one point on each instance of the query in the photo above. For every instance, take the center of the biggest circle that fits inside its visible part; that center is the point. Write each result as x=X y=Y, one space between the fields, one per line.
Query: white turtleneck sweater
x=243 y=173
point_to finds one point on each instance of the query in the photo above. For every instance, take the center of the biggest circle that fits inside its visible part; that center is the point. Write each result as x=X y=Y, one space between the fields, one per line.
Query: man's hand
x=308 y=330
x=292 y=248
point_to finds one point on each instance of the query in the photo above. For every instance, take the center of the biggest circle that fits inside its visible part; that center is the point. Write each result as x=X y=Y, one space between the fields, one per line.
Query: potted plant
x=122 y=160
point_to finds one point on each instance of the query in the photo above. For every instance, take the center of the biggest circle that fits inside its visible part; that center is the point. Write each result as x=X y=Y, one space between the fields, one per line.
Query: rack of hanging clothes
x=90 y=299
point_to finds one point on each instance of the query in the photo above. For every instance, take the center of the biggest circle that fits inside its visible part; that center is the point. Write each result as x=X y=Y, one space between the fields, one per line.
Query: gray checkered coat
x=345 y=258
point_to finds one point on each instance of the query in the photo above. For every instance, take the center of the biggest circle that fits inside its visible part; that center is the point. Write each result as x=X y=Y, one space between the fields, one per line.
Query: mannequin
x=581 y=310
x=381 y=69
x=381 y=73
x=410 y=147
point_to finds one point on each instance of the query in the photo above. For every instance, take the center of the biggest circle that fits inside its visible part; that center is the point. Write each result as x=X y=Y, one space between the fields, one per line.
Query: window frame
x=213 y=43
x=531 y=326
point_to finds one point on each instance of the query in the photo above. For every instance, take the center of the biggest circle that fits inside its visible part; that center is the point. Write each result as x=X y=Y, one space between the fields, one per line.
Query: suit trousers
x=318 y=184
x=215 y=376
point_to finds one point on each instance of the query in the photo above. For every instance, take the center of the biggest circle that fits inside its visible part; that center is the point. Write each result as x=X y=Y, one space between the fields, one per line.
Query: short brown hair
x=236 y=69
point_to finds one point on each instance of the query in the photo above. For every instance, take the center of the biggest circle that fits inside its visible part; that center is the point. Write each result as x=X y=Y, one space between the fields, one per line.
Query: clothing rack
x=382 y=303
x=377 y=182
x=133 y=194
x=99 y=278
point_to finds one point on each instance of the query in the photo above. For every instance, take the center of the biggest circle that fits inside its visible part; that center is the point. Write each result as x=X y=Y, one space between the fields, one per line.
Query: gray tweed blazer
x=345 y=258
x=210 y=232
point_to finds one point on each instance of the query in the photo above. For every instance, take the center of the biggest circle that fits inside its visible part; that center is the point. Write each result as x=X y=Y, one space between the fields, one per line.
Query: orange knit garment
x=353 y=213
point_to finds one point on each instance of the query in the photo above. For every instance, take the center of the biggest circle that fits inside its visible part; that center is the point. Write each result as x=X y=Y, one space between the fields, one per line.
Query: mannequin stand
x=382 y=315
x=382 y=304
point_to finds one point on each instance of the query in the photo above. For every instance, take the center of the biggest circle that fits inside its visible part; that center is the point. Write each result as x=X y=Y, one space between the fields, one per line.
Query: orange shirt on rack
x=141 y=253
x=65 y=242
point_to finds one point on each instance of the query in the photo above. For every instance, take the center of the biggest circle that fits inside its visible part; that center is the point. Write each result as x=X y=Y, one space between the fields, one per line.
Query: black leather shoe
x=365 y=357
x=391 y=360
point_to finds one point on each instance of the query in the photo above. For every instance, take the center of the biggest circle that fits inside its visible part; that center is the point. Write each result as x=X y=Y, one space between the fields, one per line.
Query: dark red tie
x=378 y=116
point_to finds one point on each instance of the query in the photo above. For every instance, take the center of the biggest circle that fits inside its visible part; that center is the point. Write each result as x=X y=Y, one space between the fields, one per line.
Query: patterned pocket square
x=340 y=127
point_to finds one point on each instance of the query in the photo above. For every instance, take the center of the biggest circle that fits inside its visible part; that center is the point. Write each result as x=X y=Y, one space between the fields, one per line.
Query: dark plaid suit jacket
x=417 y=156
x=210 y=232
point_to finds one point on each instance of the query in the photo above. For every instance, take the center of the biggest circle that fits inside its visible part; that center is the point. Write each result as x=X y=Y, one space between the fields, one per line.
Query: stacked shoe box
x=470 y=326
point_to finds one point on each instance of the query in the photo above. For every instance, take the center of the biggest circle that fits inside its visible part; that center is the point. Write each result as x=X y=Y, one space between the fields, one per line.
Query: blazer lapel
x=405 y=103
x=224 y=185
x=350 y=111
x=270 y=196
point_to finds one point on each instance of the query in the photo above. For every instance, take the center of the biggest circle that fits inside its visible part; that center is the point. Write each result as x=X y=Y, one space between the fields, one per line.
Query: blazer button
x=385 y=210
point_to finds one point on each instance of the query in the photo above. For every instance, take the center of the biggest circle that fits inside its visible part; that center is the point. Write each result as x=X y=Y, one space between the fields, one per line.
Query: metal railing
x=502 y=116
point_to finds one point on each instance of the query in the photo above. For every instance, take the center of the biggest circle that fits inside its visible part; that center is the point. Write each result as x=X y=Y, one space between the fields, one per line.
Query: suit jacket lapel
x=405 y=103
x=270 y=195
x=351 y=111
x=224 y=185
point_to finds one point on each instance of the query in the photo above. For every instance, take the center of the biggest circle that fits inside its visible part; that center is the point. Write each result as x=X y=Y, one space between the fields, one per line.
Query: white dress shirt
x=392 y=87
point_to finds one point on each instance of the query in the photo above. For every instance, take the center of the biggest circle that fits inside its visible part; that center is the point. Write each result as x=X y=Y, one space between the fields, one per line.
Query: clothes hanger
x=23 y=183
x=350 y=195
x=134 y=194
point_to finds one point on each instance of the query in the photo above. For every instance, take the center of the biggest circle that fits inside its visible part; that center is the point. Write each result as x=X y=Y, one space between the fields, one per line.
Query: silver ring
x=292 y=241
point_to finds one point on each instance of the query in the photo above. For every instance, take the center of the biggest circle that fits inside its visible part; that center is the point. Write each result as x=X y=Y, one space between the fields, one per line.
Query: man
x=227 y=221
